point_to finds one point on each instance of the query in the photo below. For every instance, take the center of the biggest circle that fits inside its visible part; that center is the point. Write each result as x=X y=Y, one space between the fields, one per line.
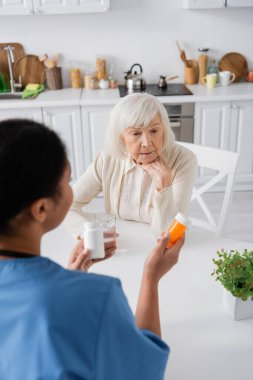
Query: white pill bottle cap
x=90 y=225
x=180 y=218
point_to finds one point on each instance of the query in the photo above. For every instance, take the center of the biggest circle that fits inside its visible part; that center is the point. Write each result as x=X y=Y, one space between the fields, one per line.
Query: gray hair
x=137 y=109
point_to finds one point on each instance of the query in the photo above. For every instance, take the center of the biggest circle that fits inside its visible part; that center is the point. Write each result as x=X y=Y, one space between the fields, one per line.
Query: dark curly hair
x=32 y=162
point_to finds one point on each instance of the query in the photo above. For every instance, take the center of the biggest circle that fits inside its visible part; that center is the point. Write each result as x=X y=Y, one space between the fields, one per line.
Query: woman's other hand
x=162 y=259
x=160 y=172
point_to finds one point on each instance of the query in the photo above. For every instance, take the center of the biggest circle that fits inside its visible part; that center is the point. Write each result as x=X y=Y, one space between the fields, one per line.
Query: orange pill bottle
x=177 y=228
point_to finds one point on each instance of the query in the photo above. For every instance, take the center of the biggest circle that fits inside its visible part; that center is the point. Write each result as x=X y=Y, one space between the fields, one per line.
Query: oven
x=181 y=120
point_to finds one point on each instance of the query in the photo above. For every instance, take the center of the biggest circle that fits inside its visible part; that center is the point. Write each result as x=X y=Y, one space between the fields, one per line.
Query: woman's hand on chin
x=160 y=172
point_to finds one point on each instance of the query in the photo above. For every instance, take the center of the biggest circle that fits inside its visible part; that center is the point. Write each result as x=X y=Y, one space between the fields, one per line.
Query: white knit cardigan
x=106 y=173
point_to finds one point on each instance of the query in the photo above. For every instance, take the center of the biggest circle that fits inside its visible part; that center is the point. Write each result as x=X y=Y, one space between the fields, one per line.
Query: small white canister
x=104 y=84
x=94 y=240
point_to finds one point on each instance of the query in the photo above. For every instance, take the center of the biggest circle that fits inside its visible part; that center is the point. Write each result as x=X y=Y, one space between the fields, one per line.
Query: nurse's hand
x=110 y=248
x=80 y=257
x=162 y=259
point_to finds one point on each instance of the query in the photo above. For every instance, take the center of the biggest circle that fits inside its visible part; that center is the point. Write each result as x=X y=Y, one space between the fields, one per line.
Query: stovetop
x=172 y=89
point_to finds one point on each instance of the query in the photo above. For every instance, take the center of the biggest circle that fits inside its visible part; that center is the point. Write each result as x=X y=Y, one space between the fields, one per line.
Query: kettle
x=134 y=80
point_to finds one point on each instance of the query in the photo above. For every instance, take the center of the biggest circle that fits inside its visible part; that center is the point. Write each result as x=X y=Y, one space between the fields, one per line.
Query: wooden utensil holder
x=54 y=78
x=190 y=74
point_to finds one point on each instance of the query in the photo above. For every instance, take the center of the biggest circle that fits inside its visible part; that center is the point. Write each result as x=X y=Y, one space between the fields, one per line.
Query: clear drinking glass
x=107 y=221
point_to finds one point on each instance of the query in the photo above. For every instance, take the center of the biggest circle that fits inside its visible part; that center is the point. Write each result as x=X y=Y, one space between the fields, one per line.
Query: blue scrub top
x=57 y=324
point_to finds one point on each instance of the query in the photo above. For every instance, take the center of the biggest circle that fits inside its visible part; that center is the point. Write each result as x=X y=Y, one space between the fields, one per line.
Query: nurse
x=57 y=323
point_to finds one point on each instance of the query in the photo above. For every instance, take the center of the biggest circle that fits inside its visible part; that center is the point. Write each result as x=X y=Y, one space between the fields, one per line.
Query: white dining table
x=205 y=343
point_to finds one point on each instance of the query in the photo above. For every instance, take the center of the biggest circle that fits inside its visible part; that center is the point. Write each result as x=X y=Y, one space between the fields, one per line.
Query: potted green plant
x=235 y=272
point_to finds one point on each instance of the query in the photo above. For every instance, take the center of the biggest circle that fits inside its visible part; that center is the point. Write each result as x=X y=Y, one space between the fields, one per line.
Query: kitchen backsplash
x=145 y=32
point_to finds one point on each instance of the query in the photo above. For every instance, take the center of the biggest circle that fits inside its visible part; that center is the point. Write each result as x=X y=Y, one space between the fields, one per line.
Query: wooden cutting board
x=235 y=63
x=30 y=69
x=18 y=52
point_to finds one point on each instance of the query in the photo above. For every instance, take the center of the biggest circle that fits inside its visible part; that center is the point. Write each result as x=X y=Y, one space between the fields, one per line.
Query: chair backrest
x=225 y=164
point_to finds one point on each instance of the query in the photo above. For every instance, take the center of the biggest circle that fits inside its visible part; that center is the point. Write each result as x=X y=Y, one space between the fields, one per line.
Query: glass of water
x=107 y=221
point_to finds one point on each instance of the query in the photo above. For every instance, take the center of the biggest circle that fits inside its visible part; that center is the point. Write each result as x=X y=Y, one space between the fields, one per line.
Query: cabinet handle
x=235 y=107
x=228 y=107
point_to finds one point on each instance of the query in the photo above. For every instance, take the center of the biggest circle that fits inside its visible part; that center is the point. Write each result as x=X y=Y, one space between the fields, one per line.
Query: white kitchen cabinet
x=211 y=124
x=16 y=7
x=90 y=6
x=25 y=7
x=52 y=6
x=66 y=121
x=94 y=121
x=239 y=3
x=70 y=6
x=229 y=126
x=203 y=4
x=209 y=4
x=40 y=7
x=22 y=113
x=241 y=140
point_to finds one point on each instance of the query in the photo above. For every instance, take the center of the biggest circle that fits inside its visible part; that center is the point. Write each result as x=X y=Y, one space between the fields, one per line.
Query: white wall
x=132 y=31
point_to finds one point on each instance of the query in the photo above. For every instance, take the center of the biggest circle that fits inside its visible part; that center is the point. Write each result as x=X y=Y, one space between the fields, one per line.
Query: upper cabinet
x=239 y=3
x=51 y=6
x=16 y=7
x=40 y=7
x=91 y=5
x=209 y=4
x=203 y=4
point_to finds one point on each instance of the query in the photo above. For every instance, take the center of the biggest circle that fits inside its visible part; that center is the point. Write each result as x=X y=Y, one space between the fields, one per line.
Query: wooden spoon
x=183 y=56
x=184 y=59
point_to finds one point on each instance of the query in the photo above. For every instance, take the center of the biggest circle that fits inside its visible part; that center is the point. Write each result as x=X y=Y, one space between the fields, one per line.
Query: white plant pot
x=236 y=308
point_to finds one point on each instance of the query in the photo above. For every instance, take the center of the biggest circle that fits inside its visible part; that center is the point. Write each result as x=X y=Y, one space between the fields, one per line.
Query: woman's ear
x=122 y=139
x=123 y=147
x=39 y=209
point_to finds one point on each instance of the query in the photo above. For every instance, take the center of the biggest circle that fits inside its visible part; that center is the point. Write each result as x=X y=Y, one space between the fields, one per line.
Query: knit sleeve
x=87 y=187
x=175 y=198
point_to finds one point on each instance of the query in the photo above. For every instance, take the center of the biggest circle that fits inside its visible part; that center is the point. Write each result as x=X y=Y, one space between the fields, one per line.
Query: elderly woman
x=143 y=173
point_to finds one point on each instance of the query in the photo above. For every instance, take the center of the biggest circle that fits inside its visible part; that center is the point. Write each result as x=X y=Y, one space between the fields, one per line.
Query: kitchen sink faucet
x=10 y=59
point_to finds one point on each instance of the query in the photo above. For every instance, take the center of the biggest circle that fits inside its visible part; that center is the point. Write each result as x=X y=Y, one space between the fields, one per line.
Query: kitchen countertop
x=235 y=91
x=83 y=97
x=99 y=97
x=64 y=97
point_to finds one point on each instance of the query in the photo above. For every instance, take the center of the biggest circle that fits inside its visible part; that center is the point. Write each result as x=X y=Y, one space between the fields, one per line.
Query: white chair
x=225 y=164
